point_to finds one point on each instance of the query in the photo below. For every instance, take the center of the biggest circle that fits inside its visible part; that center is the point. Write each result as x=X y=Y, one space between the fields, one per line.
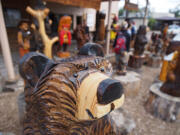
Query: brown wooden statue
x=71 y=97
x=136 y=60
x=40 y=14
x=23 y=37
x=140 y=41
x=170 y=73
x=163 y=101
x=157 y=45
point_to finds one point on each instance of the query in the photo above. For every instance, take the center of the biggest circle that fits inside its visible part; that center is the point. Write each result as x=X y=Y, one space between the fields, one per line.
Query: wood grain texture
x=53 y=104
x=40 y=15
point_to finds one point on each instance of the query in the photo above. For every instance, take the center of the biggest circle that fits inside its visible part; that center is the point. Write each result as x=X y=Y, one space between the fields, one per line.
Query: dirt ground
x=145 y=123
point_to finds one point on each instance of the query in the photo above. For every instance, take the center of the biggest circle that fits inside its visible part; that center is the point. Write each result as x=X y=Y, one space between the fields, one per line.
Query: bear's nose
x=108 y=91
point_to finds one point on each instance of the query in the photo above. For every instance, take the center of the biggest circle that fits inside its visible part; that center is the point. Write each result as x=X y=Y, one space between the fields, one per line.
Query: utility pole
x=146 y=12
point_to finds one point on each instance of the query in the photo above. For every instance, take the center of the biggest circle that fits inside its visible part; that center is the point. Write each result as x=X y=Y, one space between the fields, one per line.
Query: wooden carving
x=70 y=97
x=157 y=45
x=140 y=41
x=23 y=37
x=163 y=101
x=170 y=73
x=40 y=15
x=136 y=60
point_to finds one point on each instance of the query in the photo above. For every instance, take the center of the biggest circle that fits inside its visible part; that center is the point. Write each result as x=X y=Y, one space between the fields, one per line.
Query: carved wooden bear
x=140 y=41
x=170 y=72
x=70 y=97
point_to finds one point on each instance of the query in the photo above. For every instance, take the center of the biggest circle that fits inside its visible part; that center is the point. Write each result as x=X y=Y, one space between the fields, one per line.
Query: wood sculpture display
x=41 y=13
x=136 y=60
x=164 y=98
x=170 y=73
x=72 y=97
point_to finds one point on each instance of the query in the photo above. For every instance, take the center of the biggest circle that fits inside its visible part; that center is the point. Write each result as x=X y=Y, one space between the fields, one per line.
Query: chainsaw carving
x=64 y=36
x=163 y=101
x=71 y=97
x=40 y=14
x=136 y=60
x=157 y=46
x=170 y=73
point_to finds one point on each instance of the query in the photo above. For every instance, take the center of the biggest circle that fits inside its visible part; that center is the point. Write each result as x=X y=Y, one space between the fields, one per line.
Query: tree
x=152 y=23
x=121 y=11
x=176 y=11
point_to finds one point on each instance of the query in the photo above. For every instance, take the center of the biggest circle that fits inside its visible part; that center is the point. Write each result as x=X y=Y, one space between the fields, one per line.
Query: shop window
x=12 y=17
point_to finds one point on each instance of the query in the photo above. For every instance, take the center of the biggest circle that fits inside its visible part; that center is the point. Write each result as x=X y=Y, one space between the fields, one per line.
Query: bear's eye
x=102 y=69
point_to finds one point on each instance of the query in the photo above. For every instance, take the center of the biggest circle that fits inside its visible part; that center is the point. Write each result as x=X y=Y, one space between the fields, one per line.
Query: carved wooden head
x=69 y=94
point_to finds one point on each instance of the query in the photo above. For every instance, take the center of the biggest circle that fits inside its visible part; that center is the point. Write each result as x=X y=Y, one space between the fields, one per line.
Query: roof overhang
x=81 y=3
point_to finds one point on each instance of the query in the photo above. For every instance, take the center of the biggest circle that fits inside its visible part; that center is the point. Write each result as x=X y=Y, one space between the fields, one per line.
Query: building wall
x=88 y=12
x=114 y=9
x=74 y=11
x=158 y=15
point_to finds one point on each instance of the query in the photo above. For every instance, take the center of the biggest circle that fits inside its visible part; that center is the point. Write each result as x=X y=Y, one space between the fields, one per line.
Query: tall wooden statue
x=71 y=97
x=40 y=13
x=136 y=60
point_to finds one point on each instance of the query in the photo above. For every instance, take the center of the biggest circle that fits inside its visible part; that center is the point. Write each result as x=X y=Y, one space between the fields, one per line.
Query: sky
x=162 y=6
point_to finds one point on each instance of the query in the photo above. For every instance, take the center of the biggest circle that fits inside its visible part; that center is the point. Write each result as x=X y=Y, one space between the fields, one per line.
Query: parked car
x=174 y=29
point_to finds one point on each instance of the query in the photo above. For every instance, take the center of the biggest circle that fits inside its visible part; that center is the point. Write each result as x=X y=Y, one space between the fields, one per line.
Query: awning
x=81 y=3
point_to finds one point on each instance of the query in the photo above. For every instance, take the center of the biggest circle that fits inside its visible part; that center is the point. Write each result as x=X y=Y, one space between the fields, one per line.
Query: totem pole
x=70 y=97
x=41 y=13
x=136 y=60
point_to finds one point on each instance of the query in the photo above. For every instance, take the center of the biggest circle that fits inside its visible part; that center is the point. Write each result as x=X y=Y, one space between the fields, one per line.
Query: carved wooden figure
x=170 y=73
x=40 y=15
x=71 y=97
x=136 y=60
x=140 y=41
x=23 y=37
x=64 y=35
x=164 y=99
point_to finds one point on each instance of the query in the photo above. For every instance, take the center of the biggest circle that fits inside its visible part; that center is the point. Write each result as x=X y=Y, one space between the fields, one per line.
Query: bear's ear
x=92 y=49
x=32 y=65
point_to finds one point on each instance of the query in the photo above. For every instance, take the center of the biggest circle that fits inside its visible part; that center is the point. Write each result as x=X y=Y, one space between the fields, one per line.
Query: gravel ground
x=145 y=123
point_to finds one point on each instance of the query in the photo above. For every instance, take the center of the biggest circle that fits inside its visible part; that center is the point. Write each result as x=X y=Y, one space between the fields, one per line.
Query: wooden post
x=108 y=28
x=74 y=21
x=5 y=48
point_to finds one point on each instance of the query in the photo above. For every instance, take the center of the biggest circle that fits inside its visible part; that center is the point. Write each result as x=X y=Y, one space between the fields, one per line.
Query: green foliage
x=176 y=11
x=121 y=11
x=151 y=23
